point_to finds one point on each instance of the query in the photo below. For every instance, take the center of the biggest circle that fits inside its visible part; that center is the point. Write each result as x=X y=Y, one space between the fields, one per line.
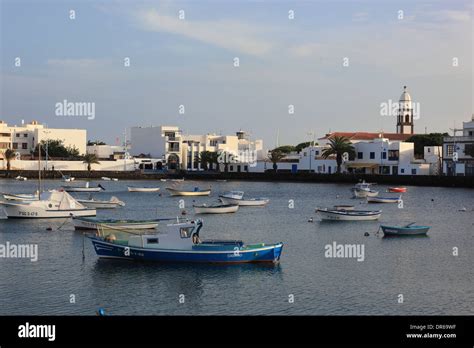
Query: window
x=316 y=152
x=407 y=119
x=231 y=168
x=471 y=133
x=402 y=170
x=24 y=146
x=383 y=155
x=15 y=146
x=360 y=155
x=372 y=155
x=429 y=150
x=246 y=168
x=25 y=135
x=18 y=135
x=152 y=241
x=304 y=154
x=185 y=232
x=450 y=150
x=413 y=171
x=393 y=155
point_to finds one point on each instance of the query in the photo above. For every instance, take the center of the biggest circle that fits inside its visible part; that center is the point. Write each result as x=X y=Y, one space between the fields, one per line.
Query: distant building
x=456 y=161
x=107 y=152
x=179 y=151
x=24 y=139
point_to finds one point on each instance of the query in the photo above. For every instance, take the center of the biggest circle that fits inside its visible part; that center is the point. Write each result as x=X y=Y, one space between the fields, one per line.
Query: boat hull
x=83 y=224
x=404 y=231
x=383 y=200
x=25 y=212
x=397 y=189
x=341 y=215
x=174 y=192
x=269 y=253
x=99 y=205
x=244 y=202
x=216 y=210
x=143 y=189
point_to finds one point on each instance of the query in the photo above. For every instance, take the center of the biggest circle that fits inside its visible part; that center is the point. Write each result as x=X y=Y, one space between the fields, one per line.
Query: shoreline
x=396 y=180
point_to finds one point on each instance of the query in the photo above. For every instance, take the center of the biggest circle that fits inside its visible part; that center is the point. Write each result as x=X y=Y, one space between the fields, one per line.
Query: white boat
x=67 y=178
x=215 y=209
x=106 y=178
x=86 y=188
x=21 y=178
x=237 y=197
x=348 y=215
x=114 y=202
x=20 y=196
x=364 y=193
x=195 y=192
x=143 y=189
x=384 y=199
x=53 y=204
x=93 y=223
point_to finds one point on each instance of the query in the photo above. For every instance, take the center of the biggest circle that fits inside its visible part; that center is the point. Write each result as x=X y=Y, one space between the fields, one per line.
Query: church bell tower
x=405 y=114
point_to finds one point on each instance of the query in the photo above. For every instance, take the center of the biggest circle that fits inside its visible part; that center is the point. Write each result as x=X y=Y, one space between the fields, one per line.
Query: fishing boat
x=348 y=215
x=397 y=189
x=344 y=207
x=21 y=178
x=408 y=230
x=237 y=197
x=180 y=242
x=384 y=199
x=94 y=223
x=195 y=192
x=363 y=189
x=143 y=189
x=215 y=209
x=86 y=188
x=114 y=202
x=51 y=204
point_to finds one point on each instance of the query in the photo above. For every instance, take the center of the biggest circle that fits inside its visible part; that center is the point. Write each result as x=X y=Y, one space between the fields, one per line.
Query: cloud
x=229 y=34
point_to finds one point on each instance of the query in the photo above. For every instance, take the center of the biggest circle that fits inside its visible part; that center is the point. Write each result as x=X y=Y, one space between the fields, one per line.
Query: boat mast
x=39 y=171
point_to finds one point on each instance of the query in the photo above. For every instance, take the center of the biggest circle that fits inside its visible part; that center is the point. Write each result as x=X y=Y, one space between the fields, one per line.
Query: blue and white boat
x=179 y=242
x=407 y=230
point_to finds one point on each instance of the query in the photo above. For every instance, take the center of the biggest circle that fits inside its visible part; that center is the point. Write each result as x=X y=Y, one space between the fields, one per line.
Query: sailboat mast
x=39 y=171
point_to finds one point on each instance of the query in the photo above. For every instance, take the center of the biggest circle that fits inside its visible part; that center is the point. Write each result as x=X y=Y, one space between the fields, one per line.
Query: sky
x=335 y=62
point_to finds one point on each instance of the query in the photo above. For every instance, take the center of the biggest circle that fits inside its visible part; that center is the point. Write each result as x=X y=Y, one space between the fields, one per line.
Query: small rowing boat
x=143 y=189
x=180 y=242
x=384 y=199
x=86 y=188
x=397 y=189
x=215 y=209
x=348 y=215
x=114 y=202
x=81 y=223
x=237 y=197
x=407 y=230
x=195 y=192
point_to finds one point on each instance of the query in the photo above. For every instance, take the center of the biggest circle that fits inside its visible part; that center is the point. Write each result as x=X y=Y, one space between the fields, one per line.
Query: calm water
x=424 y=270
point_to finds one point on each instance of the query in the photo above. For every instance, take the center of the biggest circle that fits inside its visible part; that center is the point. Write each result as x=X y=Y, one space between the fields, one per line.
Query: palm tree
x=275 y=156
x=214 y=159
x=205 y=159
x=9 y=155
x=338 y=145
x=90 y=159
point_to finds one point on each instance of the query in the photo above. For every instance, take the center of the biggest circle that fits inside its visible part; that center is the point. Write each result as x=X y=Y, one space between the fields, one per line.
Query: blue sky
x=282 y=62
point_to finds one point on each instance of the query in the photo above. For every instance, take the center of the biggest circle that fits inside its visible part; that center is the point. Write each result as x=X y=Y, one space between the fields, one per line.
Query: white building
x=107 y=152
x=24 y=139
x=181 y=151
x=456 y=160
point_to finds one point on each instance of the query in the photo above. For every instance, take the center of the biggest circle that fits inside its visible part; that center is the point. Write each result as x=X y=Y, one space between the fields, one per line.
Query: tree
x=205 y=159
x=338 y=145
x=275 y=156
x=90 y=159
x=214 y=159
x=9 y=155
x=301 y=146
x=95 y=142
x=422 y=140
x=285 y=149
x=56 y=148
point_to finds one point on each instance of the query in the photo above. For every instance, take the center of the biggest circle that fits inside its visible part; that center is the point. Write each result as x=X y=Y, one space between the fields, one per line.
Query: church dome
x=405 y=97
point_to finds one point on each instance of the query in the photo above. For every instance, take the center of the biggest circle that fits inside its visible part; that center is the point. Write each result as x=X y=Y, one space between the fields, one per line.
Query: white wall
x=70 y=165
